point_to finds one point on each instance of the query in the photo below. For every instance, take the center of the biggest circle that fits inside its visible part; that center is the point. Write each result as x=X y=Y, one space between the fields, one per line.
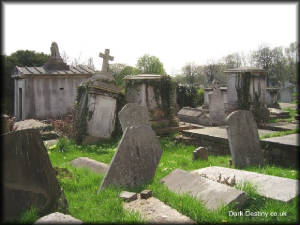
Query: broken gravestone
x=216 y=107
x=135 y=160
x=133 y=114
x=85 y=162
x=273 y=187
x=243 y=139
x=194 y=115
x=57 y=218
x=29 y=179
x=212 y=194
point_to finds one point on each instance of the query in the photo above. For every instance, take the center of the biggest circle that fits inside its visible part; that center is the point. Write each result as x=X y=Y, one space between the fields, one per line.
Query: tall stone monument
x=98 y=103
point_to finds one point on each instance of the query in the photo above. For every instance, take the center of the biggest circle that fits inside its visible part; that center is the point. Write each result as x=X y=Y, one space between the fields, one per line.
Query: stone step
x=85 y=162
x=155 y=211
x=277 y=188
x=211 y=193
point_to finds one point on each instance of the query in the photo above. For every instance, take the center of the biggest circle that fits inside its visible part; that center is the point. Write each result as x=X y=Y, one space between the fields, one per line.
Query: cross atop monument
x=106 y=57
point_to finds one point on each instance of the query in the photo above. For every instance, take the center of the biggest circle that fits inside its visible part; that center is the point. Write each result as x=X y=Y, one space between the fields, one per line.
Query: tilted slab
x=211 y=193
x=155 y=211
x=278 y=188
x=85 y=162
x=135 y=160
x=58 y=218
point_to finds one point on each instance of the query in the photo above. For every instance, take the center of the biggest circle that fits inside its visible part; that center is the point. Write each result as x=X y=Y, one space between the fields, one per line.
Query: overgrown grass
x=106 y=207
x=279 y=133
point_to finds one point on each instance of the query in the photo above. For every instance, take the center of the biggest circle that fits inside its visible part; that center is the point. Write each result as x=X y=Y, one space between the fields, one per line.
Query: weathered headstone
x=135 y=160
x=28 y=178
x=58 y=218
x=216 y=107
x=85 y=162
x=243 y=139
x=277 y=188
x=212 y=194
x=200 y=153
x=133 y=114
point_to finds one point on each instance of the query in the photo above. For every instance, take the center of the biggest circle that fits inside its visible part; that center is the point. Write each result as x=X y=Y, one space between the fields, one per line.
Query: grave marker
x=243 y=139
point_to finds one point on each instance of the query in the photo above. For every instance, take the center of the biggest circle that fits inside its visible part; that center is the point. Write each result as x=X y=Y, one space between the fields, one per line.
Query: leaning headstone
x=135 y=160
x=4 y=124
x=58 y=218
x=133 y=114
x=212 y=194
x=243 y=139
x=28 y=178
x=216 y=107
x=273 y=187
x=85 y=162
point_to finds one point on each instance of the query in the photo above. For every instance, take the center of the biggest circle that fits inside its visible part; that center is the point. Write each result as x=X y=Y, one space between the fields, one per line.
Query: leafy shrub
x=189 y=96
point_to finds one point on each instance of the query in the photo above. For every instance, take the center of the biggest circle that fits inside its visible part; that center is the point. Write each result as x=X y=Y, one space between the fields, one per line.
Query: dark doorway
x=20 y=103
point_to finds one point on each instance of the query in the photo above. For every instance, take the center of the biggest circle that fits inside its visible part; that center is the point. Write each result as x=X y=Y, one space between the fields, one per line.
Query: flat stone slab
x=291 y=139
x=211 y=193
x=278 y=188
x=155 y=211
x=85 y=162
x=58 y=218
x=128 y=196
x=218 y=132
x=280 y=126
x=284 y=105
x=31 y=124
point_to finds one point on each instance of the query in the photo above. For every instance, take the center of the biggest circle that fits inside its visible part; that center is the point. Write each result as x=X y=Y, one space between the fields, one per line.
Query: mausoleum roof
x=35 y=70
x=143 y=77
x=246 y=69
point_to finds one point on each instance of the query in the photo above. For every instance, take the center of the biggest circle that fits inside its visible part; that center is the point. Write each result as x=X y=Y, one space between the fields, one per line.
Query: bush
x=189 y=96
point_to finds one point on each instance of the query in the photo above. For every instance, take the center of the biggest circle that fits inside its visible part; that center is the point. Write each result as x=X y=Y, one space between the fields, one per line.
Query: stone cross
x=106 y=57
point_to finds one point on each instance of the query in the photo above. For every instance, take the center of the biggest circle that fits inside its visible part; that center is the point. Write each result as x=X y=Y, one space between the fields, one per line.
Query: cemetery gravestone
x=216 y=107
x=85 y=162
x=135 y=160
x=132 y=115
x=28 y=178
x=58 y=218
x=212 y=194
x=4 y=125
x=243 y=139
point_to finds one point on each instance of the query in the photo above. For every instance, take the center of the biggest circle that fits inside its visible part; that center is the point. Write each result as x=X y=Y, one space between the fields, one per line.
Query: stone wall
x=47 y=97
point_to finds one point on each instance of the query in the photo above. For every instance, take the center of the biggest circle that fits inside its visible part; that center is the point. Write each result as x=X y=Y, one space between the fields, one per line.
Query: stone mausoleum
x=157 y=93
x=48 y=91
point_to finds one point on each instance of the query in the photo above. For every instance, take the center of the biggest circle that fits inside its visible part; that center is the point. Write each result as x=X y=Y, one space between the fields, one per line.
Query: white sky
x=175 y=33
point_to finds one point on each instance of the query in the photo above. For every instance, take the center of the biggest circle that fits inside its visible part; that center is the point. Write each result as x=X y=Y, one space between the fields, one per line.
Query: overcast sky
x=175 y=33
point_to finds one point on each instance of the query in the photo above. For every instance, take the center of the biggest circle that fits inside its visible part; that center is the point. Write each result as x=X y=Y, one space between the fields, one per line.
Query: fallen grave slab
x=279 y=126
x=31 y=124
x=58 y=218
x=85 y=162
x=155 y=211
x=277 y=188
x=291 y=139
x=211 y=193
x=128 y=196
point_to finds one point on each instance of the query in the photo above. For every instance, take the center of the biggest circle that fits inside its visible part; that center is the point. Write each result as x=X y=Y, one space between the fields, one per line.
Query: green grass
x=279 y=133
x=81 y=185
